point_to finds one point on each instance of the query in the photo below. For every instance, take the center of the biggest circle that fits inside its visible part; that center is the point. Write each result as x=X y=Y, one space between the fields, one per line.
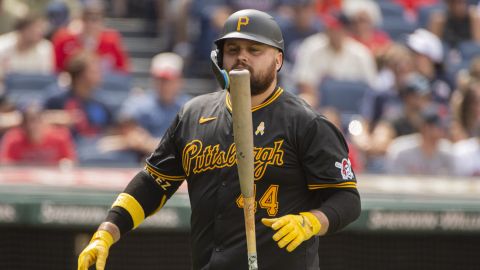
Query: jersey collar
x=269 y=100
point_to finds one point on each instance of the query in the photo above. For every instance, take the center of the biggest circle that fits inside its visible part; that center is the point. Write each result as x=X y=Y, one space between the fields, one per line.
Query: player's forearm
x=340 y=209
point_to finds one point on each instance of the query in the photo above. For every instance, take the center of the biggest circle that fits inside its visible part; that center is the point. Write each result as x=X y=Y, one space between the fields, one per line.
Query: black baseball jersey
x=297 y=152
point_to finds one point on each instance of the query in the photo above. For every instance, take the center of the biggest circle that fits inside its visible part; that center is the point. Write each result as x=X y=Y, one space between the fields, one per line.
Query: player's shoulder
x=296 y=107
x=306 y=118
x=205 y=101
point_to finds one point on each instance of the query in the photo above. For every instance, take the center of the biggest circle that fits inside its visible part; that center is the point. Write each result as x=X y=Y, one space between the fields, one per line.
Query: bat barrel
x=242 y=128
x=243 y=137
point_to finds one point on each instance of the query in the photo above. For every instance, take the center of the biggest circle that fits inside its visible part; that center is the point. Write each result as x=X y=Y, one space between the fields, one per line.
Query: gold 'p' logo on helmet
x=242 y=20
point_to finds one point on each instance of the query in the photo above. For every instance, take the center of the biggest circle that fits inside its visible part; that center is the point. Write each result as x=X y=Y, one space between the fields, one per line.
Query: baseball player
x=304 y=183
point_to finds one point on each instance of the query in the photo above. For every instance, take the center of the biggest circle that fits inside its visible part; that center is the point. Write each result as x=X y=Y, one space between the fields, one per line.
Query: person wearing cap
x=429 y=61
x=401 y=117
x=365 y=18
x=332 y=54
x=144 y=117
x=90 y=34
x=427 y=152
x=304 y=183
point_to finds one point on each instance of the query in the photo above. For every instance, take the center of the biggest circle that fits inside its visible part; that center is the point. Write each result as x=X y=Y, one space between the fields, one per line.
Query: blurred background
x=88 y=87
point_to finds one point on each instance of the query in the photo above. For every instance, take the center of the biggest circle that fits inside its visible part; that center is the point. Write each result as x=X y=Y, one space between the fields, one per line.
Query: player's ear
x=279 y=60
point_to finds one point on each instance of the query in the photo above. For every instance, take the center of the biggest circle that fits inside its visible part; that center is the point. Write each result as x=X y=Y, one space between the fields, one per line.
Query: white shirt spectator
x=405 y=157
x=316 y=59
x=37 y=59
x=467 y=157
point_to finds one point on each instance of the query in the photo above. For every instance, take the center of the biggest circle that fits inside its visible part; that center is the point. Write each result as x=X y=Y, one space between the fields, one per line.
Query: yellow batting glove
x=96 y=251
x=293 y=229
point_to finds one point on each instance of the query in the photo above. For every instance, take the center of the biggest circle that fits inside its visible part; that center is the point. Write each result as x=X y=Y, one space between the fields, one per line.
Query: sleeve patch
x=345 y=169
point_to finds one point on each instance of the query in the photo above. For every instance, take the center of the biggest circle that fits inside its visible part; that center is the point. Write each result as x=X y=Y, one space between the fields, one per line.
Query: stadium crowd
x=400 y=78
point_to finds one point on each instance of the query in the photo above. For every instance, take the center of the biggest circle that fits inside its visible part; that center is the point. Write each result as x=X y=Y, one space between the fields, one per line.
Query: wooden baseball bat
x=243 y=138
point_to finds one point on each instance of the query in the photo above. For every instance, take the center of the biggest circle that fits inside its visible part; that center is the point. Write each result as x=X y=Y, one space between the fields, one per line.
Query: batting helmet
x=253 y=25
x=247 y=24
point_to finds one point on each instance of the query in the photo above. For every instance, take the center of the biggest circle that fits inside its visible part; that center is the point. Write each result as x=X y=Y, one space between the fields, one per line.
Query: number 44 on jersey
x=268 y=201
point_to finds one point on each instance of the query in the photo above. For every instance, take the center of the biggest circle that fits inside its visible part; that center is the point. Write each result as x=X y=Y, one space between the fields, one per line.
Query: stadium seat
x=469 y=50
x=344 y=96
x=390 y=9
x=22 y=88
x=114 y=89
x=425 y=11
x=398 y=27
x=89 y=154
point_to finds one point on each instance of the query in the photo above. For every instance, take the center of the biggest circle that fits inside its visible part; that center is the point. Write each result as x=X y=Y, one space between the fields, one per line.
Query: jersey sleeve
x=324 y=156
x=165 y=163
x=149 y=190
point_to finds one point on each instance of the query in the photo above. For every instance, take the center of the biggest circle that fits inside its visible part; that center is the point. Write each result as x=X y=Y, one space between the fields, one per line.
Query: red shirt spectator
x=91 y=34
x=35 y=142
x=108 y=47
x=324 y=7
x=412 y=6
x=54 y=145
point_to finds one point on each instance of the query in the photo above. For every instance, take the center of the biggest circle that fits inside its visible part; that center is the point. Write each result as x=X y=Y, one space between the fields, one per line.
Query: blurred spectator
x=467 y=151
x=423 y=153
x=429 y=57
x=415 y=95
x=35 y=142
x=412 y=7
x=468 y=111
x=365 y=17
x=385 y=102
x=87 y=116
x=9 y=116
x=326 y=7
x=301 y=25
x=459 y=22
x=10 y=12
x=91 y=34
x=58 y=16
x=463 y=107
x=170 y=20
x=144 y=118
x=26 y=51
x=333 y=54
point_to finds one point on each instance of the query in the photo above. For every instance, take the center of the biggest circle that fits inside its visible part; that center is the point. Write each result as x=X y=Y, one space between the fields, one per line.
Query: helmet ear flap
x=220 y=74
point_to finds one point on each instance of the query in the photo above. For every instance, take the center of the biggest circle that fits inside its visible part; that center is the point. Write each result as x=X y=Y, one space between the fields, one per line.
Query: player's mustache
x=242 y=66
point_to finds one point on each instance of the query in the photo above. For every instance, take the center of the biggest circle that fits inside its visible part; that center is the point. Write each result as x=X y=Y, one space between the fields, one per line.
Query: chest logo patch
x=204 y=120
x=345 y=168
x=260 y=129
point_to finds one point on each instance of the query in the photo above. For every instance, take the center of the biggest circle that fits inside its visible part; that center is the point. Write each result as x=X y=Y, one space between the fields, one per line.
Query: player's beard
x=260 y=81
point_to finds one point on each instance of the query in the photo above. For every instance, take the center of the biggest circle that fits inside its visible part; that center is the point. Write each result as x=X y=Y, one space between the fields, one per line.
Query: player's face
x=261 y=60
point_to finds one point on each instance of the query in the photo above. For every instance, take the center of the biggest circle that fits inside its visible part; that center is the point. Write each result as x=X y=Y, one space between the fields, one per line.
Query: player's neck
x=258 y=99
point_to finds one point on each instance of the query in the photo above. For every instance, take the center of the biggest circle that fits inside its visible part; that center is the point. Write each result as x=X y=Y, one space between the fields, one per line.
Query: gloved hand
x=293 y=229
x=96 y=251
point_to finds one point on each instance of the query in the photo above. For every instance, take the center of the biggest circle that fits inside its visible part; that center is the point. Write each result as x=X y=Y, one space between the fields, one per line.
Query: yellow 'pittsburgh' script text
x=197 y=159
